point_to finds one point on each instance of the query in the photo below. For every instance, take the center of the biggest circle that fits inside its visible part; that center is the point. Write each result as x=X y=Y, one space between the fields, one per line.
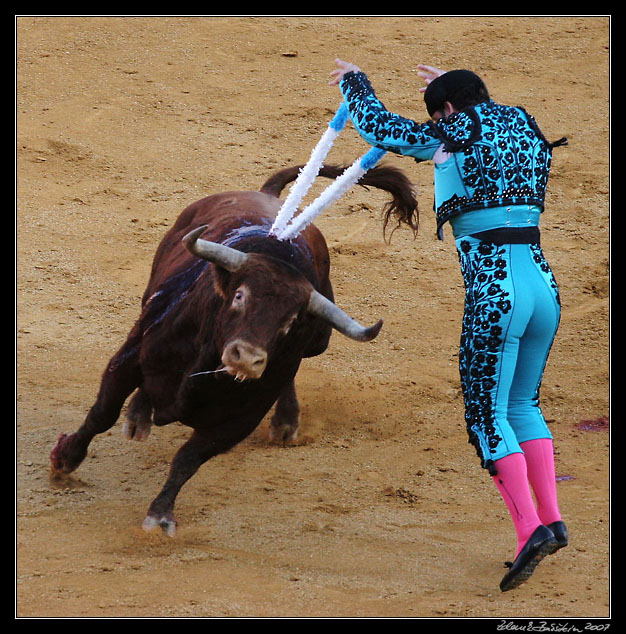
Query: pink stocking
x=512 y=482
x=540 y=464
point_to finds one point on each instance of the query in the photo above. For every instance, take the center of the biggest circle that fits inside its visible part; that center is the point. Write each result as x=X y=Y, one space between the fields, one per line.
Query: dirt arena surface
x=381 y=508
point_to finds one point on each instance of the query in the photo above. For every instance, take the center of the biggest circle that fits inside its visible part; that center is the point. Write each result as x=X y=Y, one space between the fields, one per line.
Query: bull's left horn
x=226 y=257
x=322 y=307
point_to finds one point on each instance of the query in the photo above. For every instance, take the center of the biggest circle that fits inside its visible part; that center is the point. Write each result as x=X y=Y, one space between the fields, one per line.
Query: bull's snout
x=244 y=360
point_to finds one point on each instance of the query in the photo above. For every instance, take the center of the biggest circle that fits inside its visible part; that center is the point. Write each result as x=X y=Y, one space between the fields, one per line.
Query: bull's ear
x=225 y=259
x=221 y=279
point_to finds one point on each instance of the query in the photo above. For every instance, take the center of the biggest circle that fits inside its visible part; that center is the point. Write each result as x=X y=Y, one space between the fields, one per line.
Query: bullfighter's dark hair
x=462 y=88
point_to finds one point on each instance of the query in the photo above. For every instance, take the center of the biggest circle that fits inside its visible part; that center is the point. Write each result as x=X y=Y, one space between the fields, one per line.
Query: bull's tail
x=403 y=205
x=275 y=184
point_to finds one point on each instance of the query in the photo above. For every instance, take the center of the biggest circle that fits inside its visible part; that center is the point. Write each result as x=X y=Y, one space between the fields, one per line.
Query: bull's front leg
x=286 y=419
x=202 y=446
x=120 y=378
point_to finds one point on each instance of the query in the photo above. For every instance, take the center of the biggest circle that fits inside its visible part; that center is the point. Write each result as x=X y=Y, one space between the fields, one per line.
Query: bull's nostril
x=246 y=358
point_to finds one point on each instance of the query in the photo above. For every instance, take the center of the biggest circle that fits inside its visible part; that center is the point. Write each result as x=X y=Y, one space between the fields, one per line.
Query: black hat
x=461 y=88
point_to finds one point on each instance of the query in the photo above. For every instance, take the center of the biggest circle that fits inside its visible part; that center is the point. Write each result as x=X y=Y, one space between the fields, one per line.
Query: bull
x=228 y=314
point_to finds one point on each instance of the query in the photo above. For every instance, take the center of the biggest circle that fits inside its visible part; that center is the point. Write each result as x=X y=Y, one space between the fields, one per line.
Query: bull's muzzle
x=244 y=360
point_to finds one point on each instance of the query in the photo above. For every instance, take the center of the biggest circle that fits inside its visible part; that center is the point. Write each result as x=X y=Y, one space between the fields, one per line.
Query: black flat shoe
x=560 y=534
x=541 y=543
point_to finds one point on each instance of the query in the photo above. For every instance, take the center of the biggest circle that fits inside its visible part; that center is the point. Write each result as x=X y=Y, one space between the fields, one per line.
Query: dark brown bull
x=227 y=317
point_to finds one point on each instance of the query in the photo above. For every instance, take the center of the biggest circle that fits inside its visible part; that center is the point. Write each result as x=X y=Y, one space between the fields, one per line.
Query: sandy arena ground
x=381 y=508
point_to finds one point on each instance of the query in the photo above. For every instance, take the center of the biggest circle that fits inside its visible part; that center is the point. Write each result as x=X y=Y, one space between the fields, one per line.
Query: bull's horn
x=322 y=307
x=226 y=257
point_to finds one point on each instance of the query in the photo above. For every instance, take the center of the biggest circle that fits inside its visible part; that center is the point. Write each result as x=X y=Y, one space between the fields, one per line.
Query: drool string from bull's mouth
x=209 y=372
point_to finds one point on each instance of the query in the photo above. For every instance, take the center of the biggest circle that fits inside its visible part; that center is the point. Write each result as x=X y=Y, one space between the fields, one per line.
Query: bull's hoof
x=283 y=434
x=67 y=454
x=138 y=417
x=136 y=429
x=168 y=525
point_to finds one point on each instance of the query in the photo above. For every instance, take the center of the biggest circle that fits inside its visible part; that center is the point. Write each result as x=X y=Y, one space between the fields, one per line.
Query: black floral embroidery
x=544 y=267
x=486 y=302
x=459 y=130
x=371 y=117
x=508 y=164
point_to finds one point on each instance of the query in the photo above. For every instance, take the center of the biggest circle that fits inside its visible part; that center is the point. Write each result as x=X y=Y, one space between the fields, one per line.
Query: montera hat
x=461 y=88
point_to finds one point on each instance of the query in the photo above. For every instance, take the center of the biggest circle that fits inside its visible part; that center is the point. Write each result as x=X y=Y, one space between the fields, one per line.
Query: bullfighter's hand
x=344 y=67
x=428 y=74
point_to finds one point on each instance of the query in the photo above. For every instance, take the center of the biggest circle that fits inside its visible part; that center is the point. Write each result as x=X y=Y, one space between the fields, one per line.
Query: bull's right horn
x=322 y=307
x=226 y=257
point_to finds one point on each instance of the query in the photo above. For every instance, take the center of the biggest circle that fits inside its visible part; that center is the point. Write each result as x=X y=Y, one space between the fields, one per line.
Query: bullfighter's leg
x=190 y=457
x=120 y=378
x=286 y=419
x=138 y=417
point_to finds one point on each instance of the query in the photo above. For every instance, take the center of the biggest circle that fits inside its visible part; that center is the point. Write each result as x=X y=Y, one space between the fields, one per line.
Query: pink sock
x=540 y=464
x=512 y=482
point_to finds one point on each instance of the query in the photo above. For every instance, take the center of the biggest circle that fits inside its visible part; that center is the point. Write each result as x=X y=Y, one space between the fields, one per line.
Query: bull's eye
x=288 y=324
x=239 y=298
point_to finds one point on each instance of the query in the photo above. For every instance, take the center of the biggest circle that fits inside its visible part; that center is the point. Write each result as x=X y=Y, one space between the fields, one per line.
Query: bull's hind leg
x=120 y=378
x=138 y=417
x=286 y=419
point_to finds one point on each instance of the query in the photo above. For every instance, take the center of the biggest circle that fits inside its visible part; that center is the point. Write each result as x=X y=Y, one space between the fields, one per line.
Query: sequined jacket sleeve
x=382 y=128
